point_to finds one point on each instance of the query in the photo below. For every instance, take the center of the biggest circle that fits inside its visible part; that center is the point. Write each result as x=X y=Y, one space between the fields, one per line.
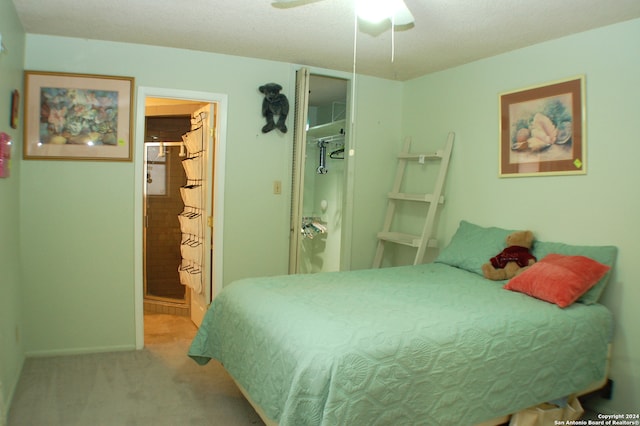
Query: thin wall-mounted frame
x=77 y=117
x=15 y=106
x=542 y=130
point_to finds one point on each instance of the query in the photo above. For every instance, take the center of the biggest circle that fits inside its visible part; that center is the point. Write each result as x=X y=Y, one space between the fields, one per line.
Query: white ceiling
x=320 y=33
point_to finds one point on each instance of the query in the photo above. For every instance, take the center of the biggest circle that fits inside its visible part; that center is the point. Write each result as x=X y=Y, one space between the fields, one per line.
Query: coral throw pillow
x=558 y=278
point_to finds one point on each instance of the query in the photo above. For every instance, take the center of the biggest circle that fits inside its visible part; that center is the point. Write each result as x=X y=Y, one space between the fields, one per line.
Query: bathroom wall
x=163 y=236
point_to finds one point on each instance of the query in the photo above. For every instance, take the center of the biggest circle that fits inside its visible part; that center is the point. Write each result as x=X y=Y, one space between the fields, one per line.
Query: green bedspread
x=428 y=344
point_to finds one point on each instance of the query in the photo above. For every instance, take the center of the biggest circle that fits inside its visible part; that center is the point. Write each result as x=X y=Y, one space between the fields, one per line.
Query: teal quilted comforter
x=428 y=344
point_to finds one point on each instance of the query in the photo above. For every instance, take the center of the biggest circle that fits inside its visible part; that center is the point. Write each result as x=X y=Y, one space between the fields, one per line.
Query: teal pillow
x=603 y=254
x=472 y=246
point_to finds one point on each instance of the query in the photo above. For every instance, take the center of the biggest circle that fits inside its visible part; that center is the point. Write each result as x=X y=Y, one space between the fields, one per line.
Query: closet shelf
x=323 y=130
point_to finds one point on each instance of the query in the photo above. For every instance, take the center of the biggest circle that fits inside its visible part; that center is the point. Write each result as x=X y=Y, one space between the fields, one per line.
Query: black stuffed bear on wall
x=274 y=103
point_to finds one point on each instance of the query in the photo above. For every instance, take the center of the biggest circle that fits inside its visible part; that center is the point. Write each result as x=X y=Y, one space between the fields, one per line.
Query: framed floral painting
x=78 y=117
x=542 y=130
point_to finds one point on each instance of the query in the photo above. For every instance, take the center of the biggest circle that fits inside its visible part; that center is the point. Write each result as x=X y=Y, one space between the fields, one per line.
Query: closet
x=320 y=175
x=321 y=226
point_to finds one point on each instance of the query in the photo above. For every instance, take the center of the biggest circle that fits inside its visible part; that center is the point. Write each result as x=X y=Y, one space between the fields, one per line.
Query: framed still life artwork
x=542 y=130
x=77 y=117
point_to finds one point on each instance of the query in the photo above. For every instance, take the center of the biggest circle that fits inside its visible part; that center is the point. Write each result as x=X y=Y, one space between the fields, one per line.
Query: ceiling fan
x=371 y=11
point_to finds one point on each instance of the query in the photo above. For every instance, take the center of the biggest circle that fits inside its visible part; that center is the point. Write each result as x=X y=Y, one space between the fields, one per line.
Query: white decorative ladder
x=434 y=200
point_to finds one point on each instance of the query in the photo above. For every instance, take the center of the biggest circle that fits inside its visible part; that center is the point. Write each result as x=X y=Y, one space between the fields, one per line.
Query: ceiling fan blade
x=403 y=16
x=286 y=4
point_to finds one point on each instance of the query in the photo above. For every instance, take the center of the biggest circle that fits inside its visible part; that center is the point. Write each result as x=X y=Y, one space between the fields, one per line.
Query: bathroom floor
x=166 y=328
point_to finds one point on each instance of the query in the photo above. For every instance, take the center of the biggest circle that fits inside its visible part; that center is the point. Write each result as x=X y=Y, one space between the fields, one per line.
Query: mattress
x=428 y=344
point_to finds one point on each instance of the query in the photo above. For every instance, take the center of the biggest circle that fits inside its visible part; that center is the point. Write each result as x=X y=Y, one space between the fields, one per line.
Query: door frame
x=298 y=165
x=218 y=179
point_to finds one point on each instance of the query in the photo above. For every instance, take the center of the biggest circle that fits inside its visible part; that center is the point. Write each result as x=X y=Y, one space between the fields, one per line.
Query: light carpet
x=158 y=385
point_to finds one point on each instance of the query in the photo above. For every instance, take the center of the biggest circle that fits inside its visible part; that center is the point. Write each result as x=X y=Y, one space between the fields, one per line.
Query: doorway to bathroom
x=174 y=212
x=163 y=154
x=182 y=176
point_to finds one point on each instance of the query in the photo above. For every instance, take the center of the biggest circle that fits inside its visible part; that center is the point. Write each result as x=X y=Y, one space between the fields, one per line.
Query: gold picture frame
x=542 y=130
x=77 y=117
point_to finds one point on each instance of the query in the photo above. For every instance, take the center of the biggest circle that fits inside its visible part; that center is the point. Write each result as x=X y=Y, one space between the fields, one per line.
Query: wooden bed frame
x=493 y=422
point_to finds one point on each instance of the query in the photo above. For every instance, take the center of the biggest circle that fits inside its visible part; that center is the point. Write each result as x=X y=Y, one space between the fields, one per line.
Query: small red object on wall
x=5 y=154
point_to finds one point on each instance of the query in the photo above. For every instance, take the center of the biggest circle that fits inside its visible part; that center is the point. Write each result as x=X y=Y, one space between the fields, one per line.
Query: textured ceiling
x=320 y=33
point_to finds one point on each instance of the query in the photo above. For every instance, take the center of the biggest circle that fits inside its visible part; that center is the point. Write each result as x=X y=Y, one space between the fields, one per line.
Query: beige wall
x=599 y=208
x=77 y=218
x=11 y=291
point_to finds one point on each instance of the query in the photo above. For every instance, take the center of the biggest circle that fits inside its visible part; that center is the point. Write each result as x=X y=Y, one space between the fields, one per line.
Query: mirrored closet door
x=320 y=164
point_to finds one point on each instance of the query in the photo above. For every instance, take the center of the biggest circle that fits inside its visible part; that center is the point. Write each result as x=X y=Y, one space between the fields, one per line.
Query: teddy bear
x=515 y=258
x=274 y=103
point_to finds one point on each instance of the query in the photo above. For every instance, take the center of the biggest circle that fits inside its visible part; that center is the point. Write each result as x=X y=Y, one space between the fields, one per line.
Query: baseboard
x=4 y=410
x=79 y=351
x=5 y=401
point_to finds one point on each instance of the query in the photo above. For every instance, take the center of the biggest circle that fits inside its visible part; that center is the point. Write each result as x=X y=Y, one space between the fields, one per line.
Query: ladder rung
x=406 y=239
x=400 y=238
x=417 y=156
x=427 y=198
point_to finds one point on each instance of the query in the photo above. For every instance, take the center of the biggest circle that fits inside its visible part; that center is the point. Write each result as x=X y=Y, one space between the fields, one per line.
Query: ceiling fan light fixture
x=376 y=11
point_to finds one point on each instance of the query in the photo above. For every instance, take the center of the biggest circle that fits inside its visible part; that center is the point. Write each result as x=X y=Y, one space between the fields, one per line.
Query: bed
x=431 y=344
